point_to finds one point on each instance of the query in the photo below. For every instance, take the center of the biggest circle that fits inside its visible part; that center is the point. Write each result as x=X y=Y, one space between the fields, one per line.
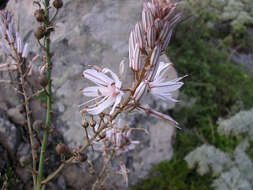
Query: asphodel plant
x=105 y=131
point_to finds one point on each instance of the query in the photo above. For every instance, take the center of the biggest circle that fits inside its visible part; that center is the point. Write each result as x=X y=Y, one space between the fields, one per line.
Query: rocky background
x=90 y=32
x=213 y=45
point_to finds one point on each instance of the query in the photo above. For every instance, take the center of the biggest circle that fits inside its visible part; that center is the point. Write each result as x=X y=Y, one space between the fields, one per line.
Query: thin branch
x=101 y=174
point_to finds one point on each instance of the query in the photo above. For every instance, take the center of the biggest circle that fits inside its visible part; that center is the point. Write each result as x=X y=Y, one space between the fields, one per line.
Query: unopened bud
x=58 y=4
x=61 y=149
x=39 y=15
x=40 y=32
x=82 y=157
x=43 y=80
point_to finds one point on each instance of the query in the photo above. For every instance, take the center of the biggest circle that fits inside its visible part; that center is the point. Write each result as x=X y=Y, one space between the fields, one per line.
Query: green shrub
x=214 y=88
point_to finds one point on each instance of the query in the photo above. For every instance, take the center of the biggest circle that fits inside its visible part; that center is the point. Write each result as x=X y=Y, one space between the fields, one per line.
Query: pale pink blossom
x=107 y=93
x=161 y=87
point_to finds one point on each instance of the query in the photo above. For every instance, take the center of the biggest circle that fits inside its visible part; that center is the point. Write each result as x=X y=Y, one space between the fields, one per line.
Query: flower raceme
x=107 y=93
x=147 y=42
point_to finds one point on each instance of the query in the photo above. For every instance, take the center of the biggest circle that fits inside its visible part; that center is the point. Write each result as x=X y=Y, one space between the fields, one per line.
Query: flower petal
x=97 y=77
x=107 y=102
x=117 y=101
x=92 y=91
x=114 y=76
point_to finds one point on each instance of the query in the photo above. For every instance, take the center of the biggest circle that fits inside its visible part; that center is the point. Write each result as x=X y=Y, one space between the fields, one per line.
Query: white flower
x=106 y=93
x=160 y=86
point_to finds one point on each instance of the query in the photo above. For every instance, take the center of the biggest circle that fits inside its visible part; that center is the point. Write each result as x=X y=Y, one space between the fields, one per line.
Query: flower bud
x=40 y=32
x=58 y=4
x=43 y=80
x=39 y=15
x=61 y=149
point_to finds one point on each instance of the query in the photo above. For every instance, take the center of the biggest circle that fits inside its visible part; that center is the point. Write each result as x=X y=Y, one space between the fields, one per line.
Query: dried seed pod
x=82 y=157
x=43 y=80
x=40 y=32
x=61 y=149
x=35 y=144
x=37 y=125
x=92 y=123
x=103 y=135
x=39 y=15
x=58 y=4
x=85 y=124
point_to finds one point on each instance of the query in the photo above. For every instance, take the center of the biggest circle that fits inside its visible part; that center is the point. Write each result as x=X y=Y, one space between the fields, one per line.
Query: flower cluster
x=147 y=42
x=11 y=42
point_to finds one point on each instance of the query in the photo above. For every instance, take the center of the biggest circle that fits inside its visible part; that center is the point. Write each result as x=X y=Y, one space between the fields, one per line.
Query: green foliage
x=249 y=150
x=8 y=178
x=43 y=97
x=175 y=175
x=214 y=88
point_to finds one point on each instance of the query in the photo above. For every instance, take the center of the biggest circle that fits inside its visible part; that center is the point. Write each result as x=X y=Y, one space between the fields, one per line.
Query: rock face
x=95 y=32
x=9 y=135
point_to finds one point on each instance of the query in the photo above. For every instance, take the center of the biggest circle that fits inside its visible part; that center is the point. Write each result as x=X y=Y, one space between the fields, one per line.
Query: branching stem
x=48 y=112
x=103 y=125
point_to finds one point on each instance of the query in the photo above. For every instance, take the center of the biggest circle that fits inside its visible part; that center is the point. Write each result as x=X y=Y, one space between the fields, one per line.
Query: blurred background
x=212 y=44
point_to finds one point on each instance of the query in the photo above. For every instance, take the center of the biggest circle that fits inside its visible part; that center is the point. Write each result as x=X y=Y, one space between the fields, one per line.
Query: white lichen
x=208 y=157
x=241 y=123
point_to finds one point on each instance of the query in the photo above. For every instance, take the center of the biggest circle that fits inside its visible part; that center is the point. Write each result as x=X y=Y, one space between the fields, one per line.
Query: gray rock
x=96 y=32
x=24 y=154
x=3 y=158
x=62 y=183
x=9 y=135
x=16 y=116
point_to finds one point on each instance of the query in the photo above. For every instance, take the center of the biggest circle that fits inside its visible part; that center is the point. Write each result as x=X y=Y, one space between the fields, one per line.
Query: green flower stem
x=48 y=114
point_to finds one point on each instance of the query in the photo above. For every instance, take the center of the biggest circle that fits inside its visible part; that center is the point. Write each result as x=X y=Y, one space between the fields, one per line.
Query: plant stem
x=57 y=171
x=48 y=113
x=103 y=170
x=28 y=116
